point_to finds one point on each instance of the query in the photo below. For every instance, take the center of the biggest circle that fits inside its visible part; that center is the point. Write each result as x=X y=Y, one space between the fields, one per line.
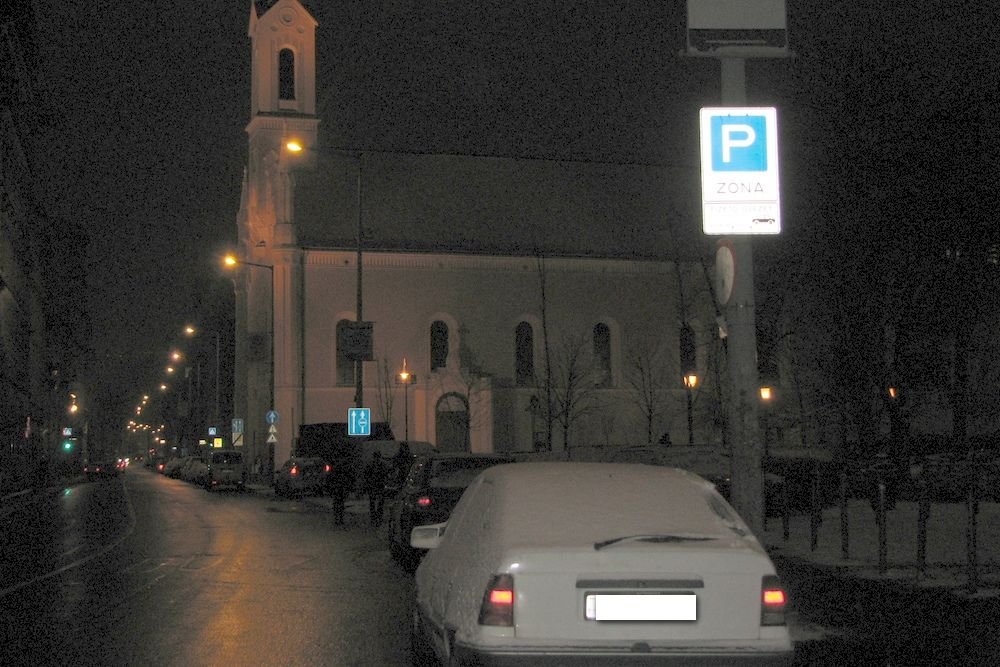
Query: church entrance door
x=452 y=423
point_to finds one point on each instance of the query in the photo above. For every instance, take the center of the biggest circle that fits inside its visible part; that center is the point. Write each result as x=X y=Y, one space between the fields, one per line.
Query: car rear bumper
x=641 y=656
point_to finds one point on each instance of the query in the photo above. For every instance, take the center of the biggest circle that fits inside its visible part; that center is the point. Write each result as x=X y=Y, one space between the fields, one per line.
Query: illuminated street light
x=295 y=146
x=766 y=393
x=233 y=261
x=191 y=330
x=406 y=378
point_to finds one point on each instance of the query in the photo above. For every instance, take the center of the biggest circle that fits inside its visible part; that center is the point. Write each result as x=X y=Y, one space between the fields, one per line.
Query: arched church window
x=602 y=354
x=524 y=355
x=345 y=366
x=439 y=345
x=286 y=75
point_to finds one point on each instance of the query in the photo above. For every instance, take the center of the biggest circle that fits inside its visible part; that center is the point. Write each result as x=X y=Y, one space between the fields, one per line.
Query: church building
x=535 y=304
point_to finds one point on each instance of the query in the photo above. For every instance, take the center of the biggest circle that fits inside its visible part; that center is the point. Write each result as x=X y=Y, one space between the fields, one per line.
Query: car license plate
x=641 y=607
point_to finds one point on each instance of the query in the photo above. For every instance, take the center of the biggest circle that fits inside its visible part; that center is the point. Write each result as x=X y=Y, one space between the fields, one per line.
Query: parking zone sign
x=739 y=170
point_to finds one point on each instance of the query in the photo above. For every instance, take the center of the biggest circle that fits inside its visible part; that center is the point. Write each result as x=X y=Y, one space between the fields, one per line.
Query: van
x=225 y=468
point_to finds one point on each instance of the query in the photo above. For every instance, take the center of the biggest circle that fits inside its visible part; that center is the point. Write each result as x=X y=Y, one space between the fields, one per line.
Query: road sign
x=359 y=421
x=237 y=439
x=237 y=425
x=739 y=170
x=271 y=417
x=212 y=431
x=272 y=434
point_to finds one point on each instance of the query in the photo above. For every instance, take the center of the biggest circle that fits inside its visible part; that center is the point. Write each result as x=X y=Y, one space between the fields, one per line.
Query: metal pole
x=273 y=378
x=747 y=472
x=217 y=416
x=406 y=411
x=690 y=415
x=359 y=364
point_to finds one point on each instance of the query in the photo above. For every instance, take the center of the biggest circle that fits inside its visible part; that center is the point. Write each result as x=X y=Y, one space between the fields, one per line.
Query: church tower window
x=286 y=74
x=524 y=355
x=439 y=345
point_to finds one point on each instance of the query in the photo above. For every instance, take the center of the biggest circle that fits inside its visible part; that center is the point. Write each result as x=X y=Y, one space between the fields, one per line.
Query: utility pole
x=732 y=31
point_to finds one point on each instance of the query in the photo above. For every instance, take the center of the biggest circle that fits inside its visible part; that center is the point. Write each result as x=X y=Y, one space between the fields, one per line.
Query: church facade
x=536 y=304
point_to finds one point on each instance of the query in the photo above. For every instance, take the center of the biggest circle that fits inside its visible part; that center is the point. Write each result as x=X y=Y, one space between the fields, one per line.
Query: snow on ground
x=946 y=544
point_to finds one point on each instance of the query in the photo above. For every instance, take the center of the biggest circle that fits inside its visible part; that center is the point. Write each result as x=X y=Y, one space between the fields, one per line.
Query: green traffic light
x=67 y=445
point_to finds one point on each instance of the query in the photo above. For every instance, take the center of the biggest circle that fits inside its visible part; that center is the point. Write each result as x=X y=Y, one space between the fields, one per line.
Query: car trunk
x=551 y=596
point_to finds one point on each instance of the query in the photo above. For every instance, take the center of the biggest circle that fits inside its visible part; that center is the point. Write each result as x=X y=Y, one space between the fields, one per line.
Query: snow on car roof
x=572 y=503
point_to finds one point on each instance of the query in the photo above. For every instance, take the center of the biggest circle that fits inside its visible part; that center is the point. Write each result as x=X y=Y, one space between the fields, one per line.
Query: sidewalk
x=355 y=505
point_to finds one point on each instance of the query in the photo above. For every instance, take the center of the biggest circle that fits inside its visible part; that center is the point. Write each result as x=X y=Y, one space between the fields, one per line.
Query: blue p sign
x=739 y=143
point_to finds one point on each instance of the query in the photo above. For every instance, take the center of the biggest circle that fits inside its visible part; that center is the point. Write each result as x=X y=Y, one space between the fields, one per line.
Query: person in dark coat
x=401 y=463
x=341 y=484
x=373 y=478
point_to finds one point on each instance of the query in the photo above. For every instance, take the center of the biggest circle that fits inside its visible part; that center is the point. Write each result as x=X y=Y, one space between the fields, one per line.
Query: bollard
x=815 y=515
x=880 y=519
x=923 y=514
x=970 y=536
x=843 y=514
x=786 y=510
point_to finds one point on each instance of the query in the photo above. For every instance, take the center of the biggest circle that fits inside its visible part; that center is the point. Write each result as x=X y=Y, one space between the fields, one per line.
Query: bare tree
x=548 y=405
x=649 y=379
x=574 y=385
x=385 y=384
x=474 y=380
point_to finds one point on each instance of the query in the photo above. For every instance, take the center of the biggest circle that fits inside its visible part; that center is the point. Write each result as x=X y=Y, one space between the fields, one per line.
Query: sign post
x=736 y=162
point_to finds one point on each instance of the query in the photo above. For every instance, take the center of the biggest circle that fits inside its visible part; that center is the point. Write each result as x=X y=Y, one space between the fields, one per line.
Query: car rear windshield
x=227 y=458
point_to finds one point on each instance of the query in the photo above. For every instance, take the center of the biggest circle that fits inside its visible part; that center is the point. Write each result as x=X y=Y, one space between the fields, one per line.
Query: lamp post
x=406 y=378
x=689 y=366
x=297 y=147
x=190 y=330
x=766 y=398
x=232 y=261
x=690 y=382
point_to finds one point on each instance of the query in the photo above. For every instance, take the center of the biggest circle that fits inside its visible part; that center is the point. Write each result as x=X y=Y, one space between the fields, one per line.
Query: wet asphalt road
x=146 y=570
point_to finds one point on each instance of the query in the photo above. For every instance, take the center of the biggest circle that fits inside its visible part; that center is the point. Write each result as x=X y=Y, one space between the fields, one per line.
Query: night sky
x=147 y=103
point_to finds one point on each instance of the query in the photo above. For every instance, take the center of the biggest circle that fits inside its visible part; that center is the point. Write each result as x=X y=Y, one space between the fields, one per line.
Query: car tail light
x=498 y=601
x=424 y=501
x=294 y=471
x=773 y=599
x=327 y=468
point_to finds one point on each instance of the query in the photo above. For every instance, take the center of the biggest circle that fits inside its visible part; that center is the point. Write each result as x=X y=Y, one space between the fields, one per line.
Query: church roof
x=504 y=206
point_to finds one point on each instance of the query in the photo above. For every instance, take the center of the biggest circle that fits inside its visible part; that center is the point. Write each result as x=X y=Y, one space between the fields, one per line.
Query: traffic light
x=68 y=444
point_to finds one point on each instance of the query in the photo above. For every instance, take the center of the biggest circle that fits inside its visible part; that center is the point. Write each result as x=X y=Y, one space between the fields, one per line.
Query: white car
x=609 y=563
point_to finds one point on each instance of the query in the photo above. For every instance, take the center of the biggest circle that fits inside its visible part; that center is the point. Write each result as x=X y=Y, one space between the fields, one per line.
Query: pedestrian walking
x=341 y=485
x=401 y=463
x=374 y=478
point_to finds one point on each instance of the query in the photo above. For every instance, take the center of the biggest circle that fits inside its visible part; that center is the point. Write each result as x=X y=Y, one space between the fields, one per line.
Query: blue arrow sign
x=271 y=417
x=359 y=421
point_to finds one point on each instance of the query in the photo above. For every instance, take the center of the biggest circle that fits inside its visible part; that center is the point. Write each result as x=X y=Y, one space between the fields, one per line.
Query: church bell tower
x=268 y=327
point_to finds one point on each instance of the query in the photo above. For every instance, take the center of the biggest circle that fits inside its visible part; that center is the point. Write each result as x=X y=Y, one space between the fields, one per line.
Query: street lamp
x=233 y=261
x=689 y=367
x=189 y=331
x=690 y=382
x=406 y=378
x=294 y=146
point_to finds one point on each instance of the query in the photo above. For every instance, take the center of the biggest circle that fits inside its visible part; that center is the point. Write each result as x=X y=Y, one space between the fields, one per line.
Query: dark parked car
x=301 y=476
x=100 y=469
x=431 y=490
